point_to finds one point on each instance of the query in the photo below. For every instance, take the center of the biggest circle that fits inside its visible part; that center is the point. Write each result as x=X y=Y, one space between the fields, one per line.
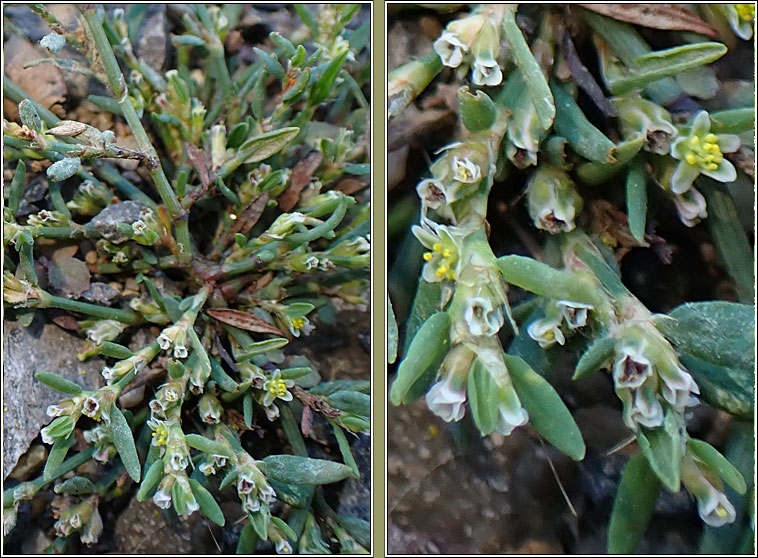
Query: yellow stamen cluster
x=745 y=11
x=721 y=511
x=447 y=261
x=278 y=388
x=161 y=436
x=298 y=323
x=706 y=153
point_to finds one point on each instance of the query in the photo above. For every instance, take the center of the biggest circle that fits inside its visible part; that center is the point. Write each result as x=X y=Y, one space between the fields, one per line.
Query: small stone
x=106 y=221
x=100 y=293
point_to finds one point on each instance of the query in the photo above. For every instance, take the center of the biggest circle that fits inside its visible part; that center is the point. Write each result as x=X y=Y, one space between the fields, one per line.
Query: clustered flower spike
x=442 y=255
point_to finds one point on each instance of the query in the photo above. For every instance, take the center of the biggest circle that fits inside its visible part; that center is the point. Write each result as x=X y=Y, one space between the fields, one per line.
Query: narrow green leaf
x=482 y=396
x=733 y=121
x=541 y=279
x=17 y=187
x=598 y=173
x=425 y=303
x=273 y=66
x=718 y=463
x=260 y=520
x=392 y=333
x=547 y=412
x=291 y=494
x=358 y=169
x=124 y=442
x=294 y=93
x=663 y=449
x=347 y=454
x=430 y=343
x=224 y=380
x=325 y=83
x=583 y=137
x=228 y=480
x=29 y=116
x=351 y=402
x=665 y=63
x=295 y=469
x=248 y=540
x=636 y=199
x=57 y=455
x=261 y=347
x=360 y=529
x=537 y=86
x=58 y=383
x=247 y=409
x=308 y=18
x=207 y=504
x=264 y=145
x=206 y=445
x=633 y=507
x=114 y=350
x=595 y=357
x=153 y=475
x=729 y=236
x=179 y=499
x=729 y=389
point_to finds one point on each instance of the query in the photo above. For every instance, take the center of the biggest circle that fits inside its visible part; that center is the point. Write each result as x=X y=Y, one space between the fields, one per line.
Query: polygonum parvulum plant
x=244 y=226
x=567 y=117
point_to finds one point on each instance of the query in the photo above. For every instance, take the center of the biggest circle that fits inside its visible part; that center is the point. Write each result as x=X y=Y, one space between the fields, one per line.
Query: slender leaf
x=295 y=469
x=718 y=463
x=482 y=396
x=636 y=199
x=207 y=504
x=59 y=383
x=123 y=439
x=663 y=449
x=57 y=455
x=595 y=357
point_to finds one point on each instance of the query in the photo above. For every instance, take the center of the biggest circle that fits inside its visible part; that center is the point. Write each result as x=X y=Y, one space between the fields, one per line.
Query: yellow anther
x=153 y=434
x=691 y=158
x=549 y=334
x=298 y=323
x=428 y=256
x=745 y=11
x=441 y=271
x=694 y=141
x=446 y=253
x=711 y=166
x=437 y=247
x=711 y=138
x=451 y=274
x=710 y=147
x=721 y=512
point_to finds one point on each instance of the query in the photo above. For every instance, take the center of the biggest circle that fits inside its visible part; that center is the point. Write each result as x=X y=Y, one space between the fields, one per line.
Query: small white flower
x=466 y=170
x=716 y=509
x=180 y=351
x=446 y=401
x=487 y=72
x=690 y=206
x=272 y=412
x=311 y=263
x=54 y=411
x=632 y=368
x=547 y=332
x=450 y=49
x=90 y=534
x=91 y=407
x=575 y=313
x=162 y=499
x=250 y=502
x=481 y=317
x=177 y=461
x=678 y=386
x=276 y=387
x=510 y=412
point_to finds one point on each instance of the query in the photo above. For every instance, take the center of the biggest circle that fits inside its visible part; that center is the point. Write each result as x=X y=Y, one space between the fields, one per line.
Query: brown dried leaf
x=201 y=165
x=299 y=179
x=656 y=16
x=243 y=320
x=250 y=215
x=350 y=185
x=66 y=321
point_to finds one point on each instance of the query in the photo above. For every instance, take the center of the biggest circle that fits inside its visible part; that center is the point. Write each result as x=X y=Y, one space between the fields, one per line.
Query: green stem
x=118 y=86
x=125 y=316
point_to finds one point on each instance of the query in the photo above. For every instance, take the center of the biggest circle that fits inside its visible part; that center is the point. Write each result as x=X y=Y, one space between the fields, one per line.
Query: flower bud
x=552 y=200
x=638 y=115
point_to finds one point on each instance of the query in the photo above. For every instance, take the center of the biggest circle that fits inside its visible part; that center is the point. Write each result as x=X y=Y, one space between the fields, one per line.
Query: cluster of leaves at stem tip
x=243 y=230
x=519 y=117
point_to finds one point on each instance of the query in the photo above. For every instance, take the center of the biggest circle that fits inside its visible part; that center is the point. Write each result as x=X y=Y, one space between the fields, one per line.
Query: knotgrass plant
x=519 y=118
x=244 y=229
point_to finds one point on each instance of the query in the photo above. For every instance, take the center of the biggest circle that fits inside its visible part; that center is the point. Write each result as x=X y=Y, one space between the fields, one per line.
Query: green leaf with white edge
x=294 y=469
x=207 y=504
x=431 y=342
x=595 y=357
x=123 y=439
x=482 y=396
x=153 y=475
x=57 y=455
x=264 y=145
x=325 y=82
x=719 y=332
x=547 y=412
x=392 y=334
x=76 y=486
x=718 y=464
x=636 y=199
x=633 y=507
x=541 y=279
x=663 y=449
x=59 y=383
x=665 y=63
x=729 y=389
x=351 y=402
x=248 y=540
x=261 y=347
x=206 y=445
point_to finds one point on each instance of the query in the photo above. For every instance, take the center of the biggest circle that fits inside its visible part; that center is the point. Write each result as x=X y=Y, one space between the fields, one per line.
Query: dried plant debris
x=197 y=269
x=566 y=115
